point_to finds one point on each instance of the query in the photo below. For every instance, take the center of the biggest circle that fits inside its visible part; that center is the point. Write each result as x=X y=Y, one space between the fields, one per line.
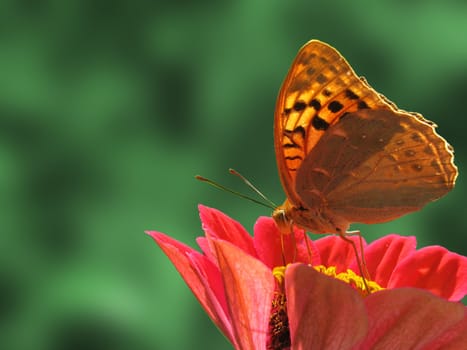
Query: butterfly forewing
x=319 y=88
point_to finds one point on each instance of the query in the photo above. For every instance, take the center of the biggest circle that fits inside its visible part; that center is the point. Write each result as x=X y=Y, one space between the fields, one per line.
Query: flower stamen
x=279 y=333
x=279 y=273
x=350 y=277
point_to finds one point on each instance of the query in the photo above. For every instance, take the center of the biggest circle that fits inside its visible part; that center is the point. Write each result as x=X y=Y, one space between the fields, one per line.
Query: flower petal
x=324 y=313
x=293 y=248
x=384 y=254
x=205 y=247
x=201 y=276
x=249 y=288
x=219 y=226
x=435 y=269
x=335 y=251
x=453 y=338
x=409 y=318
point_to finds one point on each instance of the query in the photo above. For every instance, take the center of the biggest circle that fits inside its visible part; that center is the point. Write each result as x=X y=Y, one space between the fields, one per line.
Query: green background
x=109 y=108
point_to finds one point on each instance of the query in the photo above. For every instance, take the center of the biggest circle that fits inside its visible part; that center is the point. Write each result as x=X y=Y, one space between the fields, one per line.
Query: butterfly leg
x=284 y=262
x=294 y=241
x=366 y=274
x=310 y=254
x=307 y=243
x=285 y=227
x=360 y=256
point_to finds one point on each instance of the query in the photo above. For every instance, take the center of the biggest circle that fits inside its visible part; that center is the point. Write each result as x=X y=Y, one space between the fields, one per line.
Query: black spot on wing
x=299 y=106
x=290 y=145
x=315 y=104
x=321 y=79
x=351 y=95
x=362 y=105
x=335 y=106
x=293 y=157
x=319 y=123
x=298 y=130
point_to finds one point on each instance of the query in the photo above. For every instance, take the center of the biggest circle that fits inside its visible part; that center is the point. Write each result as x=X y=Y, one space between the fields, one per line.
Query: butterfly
x=346 y=154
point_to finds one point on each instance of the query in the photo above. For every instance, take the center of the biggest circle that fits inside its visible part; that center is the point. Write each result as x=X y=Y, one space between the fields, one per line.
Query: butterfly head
x=282 y=220
x=316 y=221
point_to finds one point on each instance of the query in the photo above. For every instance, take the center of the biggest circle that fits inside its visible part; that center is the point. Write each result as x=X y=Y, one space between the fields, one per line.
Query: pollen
x=279 y=273
x=350 y=277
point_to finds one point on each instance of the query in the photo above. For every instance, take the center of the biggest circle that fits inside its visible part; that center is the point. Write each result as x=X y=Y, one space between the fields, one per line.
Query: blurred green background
x=109 y=108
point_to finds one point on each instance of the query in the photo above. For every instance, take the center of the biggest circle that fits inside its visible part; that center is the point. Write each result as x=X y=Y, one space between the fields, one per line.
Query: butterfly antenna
x=223 y=188
x=251 y=186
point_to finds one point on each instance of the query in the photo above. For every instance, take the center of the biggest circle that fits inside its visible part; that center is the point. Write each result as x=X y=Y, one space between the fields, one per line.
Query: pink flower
x=258 y=303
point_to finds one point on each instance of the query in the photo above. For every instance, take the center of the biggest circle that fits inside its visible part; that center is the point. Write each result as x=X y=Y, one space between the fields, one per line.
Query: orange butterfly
x=346 y=154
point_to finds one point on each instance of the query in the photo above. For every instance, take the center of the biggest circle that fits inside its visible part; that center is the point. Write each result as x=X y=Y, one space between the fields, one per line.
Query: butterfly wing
x=376 y=165
x=347 y=152
x=319 y=88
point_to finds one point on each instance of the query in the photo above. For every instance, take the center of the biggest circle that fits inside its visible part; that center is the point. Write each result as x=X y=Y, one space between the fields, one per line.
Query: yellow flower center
x=279 y=273
x=350 y=277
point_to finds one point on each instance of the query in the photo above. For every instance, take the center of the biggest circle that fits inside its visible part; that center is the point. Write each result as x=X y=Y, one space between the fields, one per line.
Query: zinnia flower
x=273 y=292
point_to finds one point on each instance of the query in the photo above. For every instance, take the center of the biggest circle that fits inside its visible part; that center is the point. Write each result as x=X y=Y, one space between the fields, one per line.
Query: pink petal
x=271 y=251
x=435 y=269
x=408 y=318
x=217 y=225
x=203 y=243
x=384 y=254
x=324 y=313
x=334 y=251
x=201 y=276
x=249 y=288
